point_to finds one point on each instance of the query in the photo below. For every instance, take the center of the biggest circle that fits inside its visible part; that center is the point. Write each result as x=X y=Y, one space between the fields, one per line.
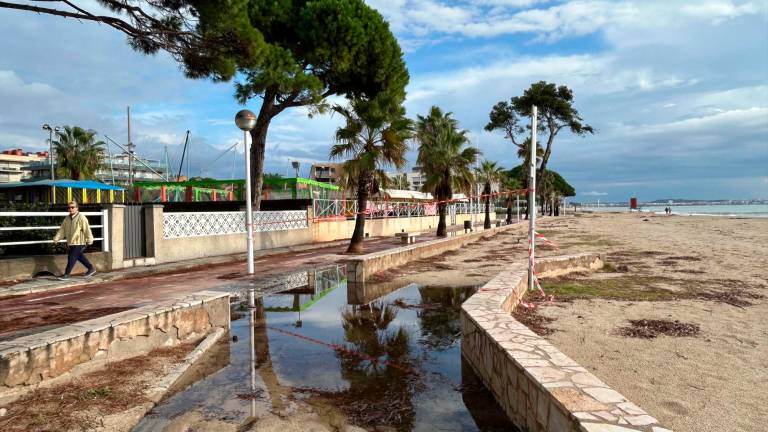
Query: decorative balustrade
x=195 y=224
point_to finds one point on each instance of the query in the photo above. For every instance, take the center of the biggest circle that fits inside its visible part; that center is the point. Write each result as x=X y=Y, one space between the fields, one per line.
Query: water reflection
x=377 y=364
x=439 y=315
x=382 y=355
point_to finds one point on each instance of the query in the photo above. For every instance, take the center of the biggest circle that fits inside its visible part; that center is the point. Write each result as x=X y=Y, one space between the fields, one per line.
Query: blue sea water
x=747 y=210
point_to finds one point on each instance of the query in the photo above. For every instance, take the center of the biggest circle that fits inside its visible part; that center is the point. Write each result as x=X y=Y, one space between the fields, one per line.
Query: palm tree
x=374 y=136
x=78 y=154
x=400 y=181
x=446 y=162
x=510 y=184
x=489 y=173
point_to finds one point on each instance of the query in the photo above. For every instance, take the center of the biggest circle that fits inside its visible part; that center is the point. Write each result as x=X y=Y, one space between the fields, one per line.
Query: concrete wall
x=178 y=249
x=338 y=230
x=540 y=388
x=55 y=355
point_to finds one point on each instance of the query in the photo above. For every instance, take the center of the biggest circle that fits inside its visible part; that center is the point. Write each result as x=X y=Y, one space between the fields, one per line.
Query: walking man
x=76 y=231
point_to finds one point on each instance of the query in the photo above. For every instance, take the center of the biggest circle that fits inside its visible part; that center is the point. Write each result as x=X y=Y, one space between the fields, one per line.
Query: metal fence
x=30 y=219
x=134 y=231
x=347 y=209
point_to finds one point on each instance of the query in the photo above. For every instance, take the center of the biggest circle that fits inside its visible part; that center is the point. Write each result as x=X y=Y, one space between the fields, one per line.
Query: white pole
x=248 y=205
x=532 y=198
x=252 y=322
x=130 y=148
x=517 y=204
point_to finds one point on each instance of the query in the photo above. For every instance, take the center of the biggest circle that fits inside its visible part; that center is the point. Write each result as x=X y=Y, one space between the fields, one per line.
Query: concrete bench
x=406 y=238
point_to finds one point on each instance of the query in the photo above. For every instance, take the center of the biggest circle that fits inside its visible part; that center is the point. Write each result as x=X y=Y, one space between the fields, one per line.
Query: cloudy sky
x=678 y=91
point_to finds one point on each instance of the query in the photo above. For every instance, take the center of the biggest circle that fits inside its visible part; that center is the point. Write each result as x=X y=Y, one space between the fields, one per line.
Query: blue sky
x=678 y=91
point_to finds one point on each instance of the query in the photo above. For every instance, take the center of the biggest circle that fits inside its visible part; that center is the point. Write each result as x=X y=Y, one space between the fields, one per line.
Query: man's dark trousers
x=76 y=254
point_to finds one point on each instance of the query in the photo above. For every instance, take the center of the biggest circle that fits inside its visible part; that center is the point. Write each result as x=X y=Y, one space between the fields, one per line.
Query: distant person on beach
x=76 y=231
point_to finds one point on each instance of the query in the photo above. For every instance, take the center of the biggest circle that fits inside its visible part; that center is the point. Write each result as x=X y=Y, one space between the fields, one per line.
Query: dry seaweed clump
x=535 y=322
x=82 y=403
x=650 y=328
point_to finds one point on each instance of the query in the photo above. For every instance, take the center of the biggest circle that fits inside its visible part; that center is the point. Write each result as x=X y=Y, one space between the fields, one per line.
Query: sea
x=724 y=210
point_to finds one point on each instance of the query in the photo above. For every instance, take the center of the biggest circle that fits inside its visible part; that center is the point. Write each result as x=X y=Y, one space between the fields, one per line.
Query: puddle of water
x=391 y=361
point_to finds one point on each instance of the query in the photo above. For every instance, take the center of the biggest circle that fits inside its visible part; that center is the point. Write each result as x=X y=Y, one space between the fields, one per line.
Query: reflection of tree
x=440 y=324
x=263 y=359
x=377 y=367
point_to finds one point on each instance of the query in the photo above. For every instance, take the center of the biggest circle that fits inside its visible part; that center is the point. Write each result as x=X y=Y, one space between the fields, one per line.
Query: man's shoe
x=63 y=277
x=90 y=273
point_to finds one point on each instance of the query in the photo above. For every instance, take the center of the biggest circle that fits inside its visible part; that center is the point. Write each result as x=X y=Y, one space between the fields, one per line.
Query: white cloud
x=594 y=193
x=12 y=86
x=490 y=18
x=718 y=10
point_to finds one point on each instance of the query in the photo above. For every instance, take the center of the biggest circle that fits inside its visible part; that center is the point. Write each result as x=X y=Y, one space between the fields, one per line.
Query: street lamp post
x=47 y=127
x=532 y=199
x=246 y=121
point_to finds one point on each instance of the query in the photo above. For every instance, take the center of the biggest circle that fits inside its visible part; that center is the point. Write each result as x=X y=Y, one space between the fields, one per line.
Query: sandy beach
x=705 y=274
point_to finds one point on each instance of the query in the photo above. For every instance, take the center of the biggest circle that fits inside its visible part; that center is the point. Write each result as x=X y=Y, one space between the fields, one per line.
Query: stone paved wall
x=540 y=388
x=53 y=356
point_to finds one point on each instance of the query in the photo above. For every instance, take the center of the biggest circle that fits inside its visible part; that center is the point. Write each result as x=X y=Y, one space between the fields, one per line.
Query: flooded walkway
x=385 y=362
x=32 y=313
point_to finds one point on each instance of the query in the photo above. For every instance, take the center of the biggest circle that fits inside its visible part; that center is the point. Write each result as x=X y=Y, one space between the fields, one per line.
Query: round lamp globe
x=245 y=120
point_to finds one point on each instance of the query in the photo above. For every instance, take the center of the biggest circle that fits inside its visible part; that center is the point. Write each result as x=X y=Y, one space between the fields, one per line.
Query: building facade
x=416 y=178
x=14 y=164
x=114 y=170
x=327 y=172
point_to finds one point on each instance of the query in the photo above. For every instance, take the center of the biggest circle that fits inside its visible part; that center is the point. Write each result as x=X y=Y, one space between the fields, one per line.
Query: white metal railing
x=197 y=224
x=103 y=224
x=335 y=209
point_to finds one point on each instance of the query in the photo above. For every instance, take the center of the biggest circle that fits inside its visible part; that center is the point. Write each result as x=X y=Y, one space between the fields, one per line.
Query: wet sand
x=708 y=271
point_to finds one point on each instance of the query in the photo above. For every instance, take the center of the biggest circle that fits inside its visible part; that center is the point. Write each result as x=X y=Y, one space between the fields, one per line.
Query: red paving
x=36 y=312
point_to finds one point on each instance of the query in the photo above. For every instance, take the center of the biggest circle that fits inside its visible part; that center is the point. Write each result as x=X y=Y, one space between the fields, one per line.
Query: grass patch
x=100 y=392
x=634 y=288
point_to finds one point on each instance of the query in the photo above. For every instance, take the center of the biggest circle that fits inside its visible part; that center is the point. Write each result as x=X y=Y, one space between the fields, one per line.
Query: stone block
x=605 y=395
x=542 y=410
x=602 y=427
x=558 y=420
x=631 y=409
x=15 y=368
x=218 y=312
x=575 y=400
x=640 y=420
x=587 y=379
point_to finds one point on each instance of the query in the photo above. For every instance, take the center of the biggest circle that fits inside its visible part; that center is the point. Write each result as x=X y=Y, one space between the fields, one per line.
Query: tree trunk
x=487 y=224
x=442 y=229
x=356 y=243
x=547 y=153
x=259 y=145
